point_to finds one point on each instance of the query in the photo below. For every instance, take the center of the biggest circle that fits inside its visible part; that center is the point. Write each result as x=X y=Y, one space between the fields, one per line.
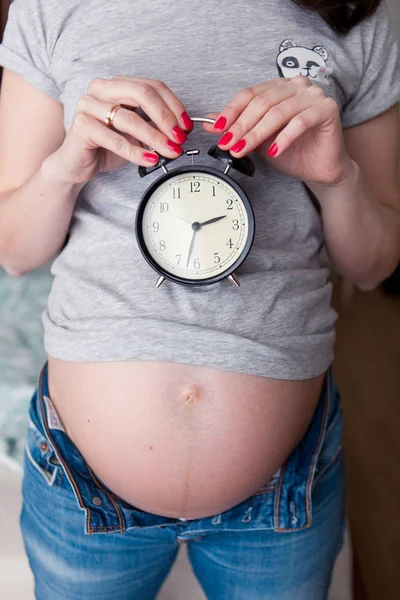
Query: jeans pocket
x=41 y=455
x=332 y=446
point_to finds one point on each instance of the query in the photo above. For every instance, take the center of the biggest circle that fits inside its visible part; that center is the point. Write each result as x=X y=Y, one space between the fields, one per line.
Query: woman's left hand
x=292 y=124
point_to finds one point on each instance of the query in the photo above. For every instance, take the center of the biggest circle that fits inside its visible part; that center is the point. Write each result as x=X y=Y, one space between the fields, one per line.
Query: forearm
x=362 y=235
x=34 y=220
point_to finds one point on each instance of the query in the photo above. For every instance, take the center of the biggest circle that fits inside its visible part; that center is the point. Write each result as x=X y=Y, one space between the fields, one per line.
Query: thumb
x=208 y=126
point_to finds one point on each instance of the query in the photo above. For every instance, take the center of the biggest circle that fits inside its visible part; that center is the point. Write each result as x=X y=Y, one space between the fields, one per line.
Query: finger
x=324 y=112
x=129 y=122
x=149 y=96
x=278 y=116
x=170 y=99
x=208 y=126
x=97 y=135
x=240 y=102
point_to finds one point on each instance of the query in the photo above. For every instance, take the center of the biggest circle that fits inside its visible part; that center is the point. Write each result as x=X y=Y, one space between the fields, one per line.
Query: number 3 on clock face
x=195 y=225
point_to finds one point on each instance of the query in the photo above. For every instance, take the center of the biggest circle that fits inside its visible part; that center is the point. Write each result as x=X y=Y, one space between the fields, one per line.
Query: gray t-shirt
x=103 y=305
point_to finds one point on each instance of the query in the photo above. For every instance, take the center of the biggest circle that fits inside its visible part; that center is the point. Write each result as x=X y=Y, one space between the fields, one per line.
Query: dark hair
x=341 y=15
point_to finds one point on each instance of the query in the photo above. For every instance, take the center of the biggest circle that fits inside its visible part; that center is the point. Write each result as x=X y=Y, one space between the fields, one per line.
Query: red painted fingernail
x=187 y=121
x=175 y=147
x=225 y=139
x=220 y=123
x=179 y=134
x=151 y=157
x=239 y=146
x=273 y=150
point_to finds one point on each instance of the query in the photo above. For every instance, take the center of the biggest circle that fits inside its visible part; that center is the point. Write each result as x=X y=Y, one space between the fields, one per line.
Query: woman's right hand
x=91 y=146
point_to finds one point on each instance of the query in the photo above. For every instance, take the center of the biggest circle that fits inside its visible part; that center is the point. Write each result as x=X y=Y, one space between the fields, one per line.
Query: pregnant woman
x=203 y=414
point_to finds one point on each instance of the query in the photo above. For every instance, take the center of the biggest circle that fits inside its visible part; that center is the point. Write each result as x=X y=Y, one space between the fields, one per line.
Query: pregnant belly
x=178 y=440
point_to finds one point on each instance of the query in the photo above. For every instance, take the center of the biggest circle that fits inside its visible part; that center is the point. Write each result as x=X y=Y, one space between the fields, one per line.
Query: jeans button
x=97 y=501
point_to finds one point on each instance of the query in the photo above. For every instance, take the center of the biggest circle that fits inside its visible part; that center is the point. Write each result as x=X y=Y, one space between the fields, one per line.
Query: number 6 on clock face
x=196 y=226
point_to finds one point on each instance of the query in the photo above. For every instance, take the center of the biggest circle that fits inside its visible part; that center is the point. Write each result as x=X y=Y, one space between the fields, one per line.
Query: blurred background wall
x=367 y=368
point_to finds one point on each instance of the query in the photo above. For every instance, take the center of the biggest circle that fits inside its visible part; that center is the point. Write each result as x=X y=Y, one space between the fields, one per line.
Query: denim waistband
x=284 y=504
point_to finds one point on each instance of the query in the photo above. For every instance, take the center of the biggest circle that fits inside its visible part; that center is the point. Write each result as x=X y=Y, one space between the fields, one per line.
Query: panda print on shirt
x=295 y=60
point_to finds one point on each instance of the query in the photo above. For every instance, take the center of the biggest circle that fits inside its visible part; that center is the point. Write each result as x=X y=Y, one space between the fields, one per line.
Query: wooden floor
x=367 y=368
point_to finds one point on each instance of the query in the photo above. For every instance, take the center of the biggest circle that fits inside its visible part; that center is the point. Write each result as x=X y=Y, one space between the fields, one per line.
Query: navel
x=192 y=396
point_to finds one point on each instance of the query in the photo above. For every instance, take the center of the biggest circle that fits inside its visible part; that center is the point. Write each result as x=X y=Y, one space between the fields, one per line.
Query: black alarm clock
x=195 y=224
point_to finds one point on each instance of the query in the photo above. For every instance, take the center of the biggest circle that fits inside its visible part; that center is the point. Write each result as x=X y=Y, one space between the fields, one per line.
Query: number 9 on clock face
x=195 y=225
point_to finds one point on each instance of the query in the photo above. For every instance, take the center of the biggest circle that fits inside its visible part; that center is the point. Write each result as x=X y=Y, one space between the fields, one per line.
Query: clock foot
x=234 y=280
x=160 y=281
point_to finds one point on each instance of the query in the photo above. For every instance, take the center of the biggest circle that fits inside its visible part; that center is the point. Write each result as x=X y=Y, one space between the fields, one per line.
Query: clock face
x=196 y=225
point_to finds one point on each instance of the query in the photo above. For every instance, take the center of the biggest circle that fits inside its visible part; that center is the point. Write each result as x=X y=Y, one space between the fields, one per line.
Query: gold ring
x=111 y=114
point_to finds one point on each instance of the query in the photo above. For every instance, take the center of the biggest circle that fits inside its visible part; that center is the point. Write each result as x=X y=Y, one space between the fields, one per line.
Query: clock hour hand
x=213 y=220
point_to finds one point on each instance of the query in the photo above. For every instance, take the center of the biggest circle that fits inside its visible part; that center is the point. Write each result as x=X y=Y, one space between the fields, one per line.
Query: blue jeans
x=84 y=543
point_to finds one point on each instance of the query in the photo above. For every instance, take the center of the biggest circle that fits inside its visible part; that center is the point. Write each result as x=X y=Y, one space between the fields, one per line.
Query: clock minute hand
x=212 y=220
x=191 y=247
x=196 y=226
